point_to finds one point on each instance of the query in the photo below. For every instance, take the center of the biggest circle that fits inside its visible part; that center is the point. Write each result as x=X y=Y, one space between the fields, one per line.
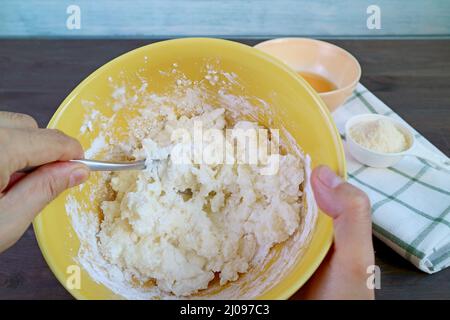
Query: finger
x=34 y=147
x=15 y=177
x=16 y=120
x=350 y=209
x=33 y=192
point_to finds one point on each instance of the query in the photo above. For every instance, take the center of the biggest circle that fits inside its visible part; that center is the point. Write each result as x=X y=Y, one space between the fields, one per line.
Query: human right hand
x=343 y=273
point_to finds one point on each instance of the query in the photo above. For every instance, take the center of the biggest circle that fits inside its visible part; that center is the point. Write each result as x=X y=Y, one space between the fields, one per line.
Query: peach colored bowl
x=319 y=57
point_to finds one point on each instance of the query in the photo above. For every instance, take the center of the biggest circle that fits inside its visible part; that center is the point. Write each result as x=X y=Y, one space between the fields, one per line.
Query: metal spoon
x=96 y=165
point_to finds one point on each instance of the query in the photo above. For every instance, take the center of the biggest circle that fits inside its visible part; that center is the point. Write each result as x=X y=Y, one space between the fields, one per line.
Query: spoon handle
x=96 y=165
x=421 y=152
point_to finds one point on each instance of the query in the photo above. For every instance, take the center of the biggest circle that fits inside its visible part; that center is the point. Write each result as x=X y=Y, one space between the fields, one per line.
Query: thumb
x=350 y=209
x=33 y=192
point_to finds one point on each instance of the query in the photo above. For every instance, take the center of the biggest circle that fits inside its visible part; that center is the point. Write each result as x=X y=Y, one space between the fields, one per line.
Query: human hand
x=23 y=196
x=343 y=273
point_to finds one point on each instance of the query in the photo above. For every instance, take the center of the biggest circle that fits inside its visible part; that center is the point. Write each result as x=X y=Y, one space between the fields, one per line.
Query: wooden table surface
x=412 y=77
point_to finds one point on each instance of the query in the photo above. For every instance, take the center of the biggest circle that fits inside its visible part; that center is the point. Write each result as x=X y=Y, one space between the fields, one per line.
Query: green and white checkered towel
x=410 y=201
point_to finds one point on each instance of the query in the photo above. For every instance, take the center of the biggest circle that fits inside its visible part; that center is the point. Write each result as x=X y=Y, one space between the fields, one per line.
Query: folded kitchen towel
x=410 y=201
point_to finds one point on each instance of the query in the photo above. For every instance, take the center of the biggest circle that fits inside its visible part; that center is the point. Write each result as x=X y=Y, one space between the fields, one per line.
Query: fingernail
x=78 y=176
x=329 y=178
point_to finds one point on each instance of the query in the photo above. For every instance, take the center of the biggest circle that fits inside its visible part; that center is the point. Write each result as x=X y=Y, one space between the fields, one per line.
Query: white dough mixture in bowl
x=179 y=224
x=188 y=229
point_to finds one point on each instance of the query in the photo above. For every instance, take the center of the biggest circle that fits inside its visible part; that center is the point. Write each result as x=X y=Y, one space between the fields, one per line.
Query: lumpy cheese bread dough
x=180 y=225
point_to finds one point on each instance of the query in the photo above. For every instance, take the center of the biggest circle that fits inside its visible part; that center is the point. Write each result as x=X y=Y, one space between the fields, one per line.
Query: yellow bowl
x=293 y=103
x=322 y=58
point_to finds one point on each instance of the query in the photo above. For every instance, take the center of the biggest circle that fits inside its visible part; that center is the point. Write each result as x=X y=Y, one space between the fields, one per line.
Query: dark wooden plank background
x=412 y=77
